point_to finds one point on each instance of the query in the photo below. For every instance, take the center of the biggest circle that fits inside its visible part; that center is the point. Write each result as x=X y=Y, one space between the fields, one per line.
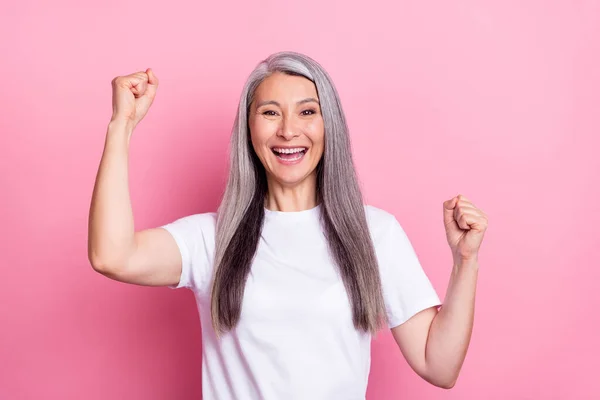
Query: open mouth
x=289 y=154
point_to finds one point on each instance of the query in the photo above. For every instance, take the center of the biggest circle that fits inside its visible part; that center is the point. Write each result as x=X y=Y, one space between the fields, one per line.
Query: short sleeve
x=406 y=288
x=194 y=236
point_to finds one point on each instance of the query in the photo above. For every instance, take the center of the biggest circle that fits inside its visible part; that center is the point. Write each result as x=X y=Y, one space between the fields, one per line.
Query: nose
x=288 y=129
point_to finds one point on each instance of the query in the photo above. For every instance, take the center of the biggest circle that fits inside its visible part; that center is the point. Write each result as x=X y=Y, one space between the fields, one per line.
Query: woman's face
x=286 y=128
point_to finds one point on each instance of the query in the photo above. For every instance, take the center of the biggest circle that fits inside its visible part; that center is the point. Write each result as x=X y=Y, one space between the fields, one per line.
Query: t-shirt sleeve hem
x=185 y=259
x=394 y=321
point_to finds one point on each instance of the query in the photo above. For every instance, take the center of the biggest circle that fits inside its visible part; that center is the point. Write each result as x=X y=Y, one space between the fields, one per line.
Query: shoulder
x=380 y=221
x=204 y=223
x=378 y=215
x=385 y=229
x=207 y=219
x=204 y=220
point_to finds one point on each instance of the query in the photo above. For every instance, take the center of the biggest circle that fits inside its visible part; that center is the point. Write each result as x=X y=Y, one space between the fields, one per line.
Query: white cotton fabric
x=295 y=338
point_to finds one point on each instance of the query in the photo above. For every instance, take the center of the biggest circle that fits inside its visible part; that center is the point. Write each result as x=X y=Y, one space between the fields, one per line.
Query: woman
x=293 y=274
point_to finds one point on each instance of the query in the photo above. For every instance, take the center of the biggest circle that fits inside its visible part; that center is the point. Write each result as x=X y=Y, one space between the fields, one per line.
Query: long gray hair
x=241 y=212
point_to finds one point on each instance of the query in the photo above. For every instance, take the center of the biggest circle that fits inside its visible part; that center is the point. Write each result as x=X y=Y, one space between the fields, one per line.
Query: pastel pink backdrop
x=494 y=100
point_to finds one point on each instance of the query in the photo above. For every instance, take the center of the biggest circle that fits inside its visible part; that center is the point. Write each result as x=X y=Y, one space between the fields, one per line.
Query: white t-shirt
x=295 y=338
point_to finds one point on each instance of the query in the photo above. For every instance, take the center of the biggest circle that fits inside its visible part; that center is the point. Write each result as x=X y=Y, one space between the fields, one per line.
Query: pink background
x=495 y=100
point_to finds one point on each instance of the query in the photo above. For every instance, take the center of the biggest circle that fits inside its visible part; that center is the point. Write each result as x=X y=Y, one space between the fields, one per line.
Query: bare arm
x=435 y=342
x=115 y=249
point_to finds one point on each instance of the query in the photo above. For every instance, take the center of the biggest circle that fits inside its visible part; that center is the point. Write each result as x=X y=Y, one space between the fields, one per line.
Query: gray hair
x=241 y=212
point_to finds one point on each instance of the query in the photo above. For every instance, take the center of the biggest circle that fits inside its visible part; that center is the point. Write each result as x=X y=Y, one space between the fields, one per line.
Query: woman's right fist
x=133 y=95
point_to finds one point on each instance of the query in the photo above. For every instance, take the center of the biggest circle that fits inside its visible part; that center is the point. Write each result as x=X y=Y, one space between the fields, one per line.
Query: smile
x=289 y=155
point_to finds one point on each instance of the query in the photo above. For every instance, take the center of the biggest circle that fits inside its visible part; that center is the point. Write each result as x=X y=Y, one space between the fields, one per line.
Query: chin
x=291 y=178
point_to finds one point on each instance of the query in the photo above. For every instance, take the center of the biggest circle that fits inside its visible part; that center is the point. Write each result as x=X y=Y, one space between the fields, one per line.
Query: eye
x=269 y=113
x=310 y=111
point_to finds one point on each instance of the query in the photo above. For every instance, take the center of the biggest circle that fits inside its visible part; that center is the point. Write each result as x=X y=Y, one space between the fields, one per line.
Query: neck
x=289 y=198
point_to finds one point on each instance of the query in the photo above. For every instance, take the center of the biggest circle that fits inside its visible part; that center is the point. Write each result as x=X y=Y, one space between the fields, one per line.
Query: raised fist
x=133 y=95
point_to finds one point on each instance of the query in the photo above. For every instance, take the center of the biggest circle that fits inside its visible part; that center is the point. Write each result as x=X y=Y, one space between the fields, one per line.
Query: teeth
x=289 y=151
x=299 y=156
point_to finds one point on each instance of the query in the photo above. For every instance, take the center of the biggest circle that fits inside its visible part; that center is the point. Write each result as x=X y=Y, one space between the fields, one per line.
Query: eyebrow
x=303 y=101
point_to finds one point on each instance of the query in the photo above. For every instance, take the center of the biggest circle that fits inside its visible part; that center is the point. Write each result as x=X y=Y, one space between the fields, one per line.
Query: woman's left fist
x=465 y=226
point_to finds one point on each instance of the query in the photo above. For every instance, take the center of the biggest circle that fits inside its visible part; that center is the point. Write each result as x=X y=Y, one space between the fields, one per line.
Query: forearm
x=111 y=227
x=451 y=329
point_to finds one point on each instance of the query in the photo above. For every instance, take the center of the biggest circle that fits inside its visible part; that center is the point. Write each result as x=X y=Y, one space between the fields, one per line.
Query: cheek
x=262 y=129
x=260 y=132
x=316 y=133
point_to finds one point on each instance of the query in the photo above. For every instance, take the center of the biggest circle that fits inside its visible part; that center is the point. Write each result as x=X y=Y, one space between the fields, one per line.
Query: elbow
x=448 y=385
x=97 y=264
x=443 y=382
x=106 y=258
x=94 y=258
x=101 y=265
